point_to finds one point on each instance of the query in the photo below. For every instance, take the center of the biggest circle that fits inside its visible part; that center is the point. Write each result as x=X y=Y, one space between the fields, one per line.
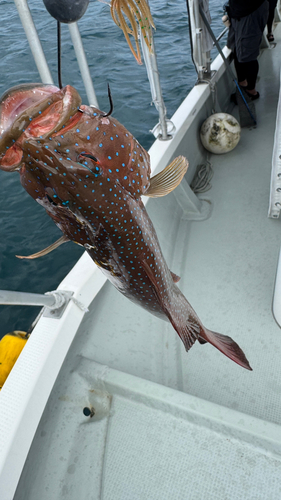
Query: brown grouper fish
x=89 y=174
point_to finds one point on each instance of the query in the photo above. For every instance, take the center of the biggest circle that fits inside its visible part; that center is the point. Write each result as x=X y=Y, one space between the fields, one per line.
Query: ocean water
x=25 y=227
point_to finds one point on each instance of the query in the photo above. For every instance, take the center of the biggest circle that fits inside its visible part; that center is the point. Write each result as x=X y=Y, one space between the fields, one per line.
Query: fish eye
x=91 y=162
x=83 y=156
x=50 y=195
x=88 y=155
x=51 y=201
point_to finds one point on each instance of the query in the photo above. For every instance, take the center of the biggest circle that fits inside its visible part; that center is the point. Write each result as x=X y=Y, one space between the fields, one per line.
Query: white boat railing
x=275 y=183
x=164 y=130
x=82 y=63
x=46 y=77
x=30 y=299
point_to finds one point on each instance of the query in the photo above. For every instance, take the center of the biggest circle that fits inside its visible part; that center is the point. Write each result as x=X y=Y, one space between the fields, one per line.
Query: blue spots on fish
x=105 y=209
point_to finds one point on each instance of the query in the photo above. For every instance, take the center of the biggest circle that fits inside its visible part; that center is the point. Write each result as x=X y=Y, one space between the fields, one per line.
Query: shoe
x=252 y=97
x=233 y=98
x=270 y=37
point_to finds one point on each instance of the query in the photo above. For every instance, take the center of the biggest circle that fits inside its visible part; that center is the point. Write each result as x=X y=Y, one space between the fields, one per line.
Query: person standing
x=248 y=20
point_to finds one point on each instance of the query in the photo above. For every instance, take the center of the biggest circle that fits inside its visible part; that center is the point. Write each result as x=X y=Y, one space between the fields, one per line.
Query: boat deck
x=230 y=268
x=227 y=265
x=170 y=424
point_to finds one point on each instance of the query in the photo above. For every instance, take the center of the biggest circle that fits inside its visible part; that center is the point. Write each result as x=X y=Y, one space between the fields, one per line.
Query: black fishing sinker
x=66 y=11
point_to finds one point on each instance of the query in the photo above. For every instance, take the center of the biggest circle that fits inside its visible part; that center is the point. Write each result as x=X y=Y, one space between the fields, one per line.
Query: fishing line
x=65 y=11
x=59 y=53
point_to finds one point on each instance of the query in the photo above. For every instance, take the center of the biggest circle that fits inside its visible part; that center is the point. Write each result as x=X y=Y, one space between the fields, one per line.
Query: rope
x=202 y=179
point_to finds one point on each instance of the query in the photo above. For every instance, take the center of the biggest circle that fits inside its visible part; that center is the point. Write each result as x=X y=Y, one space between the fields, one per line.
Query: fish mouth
x=23 y=107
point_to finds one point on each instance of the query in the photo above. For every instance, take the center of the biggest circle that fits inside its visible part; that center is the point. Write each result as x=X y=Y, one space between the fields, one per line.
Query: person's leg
x=272 y=5
x=247 y=72
x=252 y=69
x=270 y=21
x=241 y=72
x=249 y=36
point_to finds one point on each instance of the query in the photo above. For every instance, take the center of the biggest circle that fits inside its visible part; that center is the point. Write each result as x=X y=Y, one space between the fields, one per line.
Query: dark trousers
x=247 y=71
x=272 y=5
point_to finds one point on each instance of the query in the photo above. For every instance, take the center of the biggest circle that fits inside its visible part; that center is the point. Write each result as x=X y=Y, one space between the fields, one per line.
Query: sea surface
x=25 y=227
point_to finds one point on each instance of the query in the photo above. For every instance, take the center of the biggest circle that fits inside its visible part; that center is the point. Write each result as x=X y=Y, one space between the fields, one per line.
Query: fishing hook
x=110 y=101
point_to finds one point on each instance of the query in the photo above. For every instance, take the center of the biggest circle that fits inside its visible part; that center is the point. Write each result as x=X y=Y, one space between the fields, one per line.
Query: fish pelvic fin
x=168 y=179
x=226 y=345
x=188 y=333
x=45 y=251
x=175 y=277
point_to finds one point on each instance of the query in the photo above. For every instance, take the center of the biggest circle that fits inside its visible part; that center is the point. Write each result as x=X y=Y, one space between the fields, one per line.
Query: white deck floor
x=228 y=265
x=231 y=265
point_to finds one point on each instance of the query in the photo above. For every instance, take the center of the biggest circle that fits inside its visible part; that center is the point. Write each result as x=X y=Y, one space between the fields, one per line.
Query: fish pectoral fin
x=45 y=251
x=175 y=277
x=167 y=180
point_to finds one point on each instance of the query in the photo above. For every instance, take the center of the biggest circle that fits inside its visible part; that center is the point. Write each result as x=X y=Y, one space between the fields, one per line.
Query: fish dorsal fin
x=167 y=180
x=47 y=250
x=175 y=277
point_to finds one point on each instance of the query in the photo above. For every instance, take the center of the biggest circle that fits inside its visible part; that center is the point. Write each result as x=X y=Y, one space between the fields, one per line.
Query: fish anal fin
x=175 y=277
x=227 y=346
x=188 y=332
x=168 y=179
x=45 y=251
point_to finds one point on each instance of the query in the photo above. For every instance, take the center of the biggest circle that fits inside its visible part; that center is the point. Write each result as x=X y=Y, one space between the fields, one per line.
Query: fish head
x=19 y=108
x=72 y=159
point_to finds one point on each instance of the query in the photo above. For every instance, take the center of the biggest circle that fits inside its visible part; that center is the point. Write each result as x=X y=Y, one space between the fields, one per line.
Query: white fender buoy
x=220 y=133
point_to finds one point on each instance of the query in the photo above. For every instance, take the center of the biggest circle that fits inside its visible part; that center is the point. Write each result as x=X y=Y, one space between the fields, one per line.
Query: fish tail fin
x=226 y=345
x=192 y=331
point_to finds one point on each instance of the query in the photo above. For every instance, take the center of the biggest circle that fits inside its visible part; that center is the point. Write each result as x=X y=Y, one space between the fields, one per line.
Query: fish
x=90 y=173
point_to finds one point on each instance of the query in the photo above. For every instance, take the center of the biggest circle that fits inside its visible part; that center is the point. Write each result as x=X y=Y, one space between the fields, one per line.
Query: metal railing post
x=155 y=85
x=53 y=301
x=8 y=297
x=83 y=65
x=199 y=41
x=33 y=40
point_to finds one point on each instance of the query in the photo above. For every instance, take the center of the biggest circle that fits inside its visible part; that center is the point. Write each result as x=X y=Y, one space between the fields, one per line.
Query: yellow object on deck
x=11 y=346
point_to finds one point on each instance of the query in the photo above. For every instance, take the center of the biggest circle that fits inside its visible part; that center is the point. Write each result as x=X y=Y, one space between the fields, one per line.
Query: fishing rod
x=228 y=68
